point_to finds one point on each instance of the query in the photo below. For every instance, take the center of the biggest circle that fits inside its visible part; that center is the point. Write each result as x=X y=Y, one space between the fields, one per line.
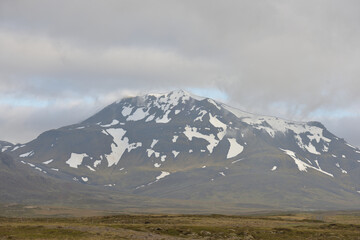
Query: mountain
x=177 y=146
x=5 y=145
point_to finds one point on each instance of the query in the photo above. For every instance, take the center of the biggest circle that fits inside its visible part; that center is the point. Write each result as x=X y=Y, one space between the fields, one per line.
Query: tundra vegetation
x=62 y=223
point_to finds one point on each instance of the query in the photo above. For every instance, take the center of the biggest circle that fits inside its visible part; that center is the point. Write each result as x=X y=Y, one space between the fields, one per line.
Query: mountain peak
x=174 y=144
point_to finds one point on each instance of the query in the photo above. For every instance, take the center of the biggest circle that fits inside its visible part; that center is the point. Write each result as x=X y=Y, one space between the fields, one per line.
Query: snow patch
x=274 y=168
x=113 y=123
x=150 y=118
x=139 y=114
x=85 y=179
x=17 y=147
x=200 y=116
x=222 y=173
x=76 y=159
x=164 y=119
x=302 y=166
x=126 y=111
x=177 y=112
x=174 y=138
x=155 y=141
x=218 y=124
x=5 y=148
x=350 y=145
x=237 y=161
x=175 y=153
x=91 y=169
x=162 y=175
x=118 y=146
x=96 y=163
x=203 y=167
x=234 y=149
x=191 y=132
x=163 y=157
x=48 y=161
x=213 y=103
x=133 y=146
x=157 y=165
x=28 y=154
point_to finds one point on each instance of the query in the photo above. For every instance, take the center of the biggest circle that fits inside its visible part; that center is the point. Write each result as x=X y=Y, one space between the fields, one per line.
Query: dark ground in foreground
x=56 y=223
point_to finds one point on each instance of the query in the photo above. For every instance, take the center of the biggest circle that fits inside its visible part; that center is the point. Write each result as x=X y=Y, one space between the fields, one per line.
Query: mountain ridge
x=167 y=145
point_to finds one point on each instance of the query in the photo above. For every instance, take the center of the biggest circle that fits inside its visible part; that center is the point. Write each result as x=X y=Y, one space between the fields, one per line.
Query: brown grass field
x=61 y=223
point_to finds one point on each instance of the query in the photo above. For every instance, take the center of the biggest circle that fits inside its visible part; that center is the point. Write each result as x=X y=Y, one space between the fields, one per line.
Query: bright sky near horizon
x=62 y=61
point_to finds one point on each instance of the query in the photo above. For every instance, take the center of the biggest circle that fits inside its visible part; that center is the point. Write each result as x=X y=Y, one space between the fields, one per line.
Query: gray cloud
x=295 y=59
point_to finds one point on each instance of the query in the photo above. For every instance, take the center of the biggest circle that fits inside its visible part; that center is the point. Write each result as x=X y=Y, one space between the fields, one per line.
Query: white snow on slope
x=150 y=152
x=175 y=153
x=119 y=145
x=48 y=161
x=113 y=123
x=162 y=175
x=133 y=146
x=273 y=125
x=222 y=173
x=76 y=159
x=150 y=118
x=163 y=158
x=97 y=162
x=274 y=168
x=201 y=115
x=28 y=154
x=157 y=165
x=163 y=119
x=85 y=179
x=139 y=114
x=191 y=132
x=174 y=138
x=17 y=147
x=342 y=170
x=5 y=148
x=350 y=145
x=234 y=149
x=126 y=111
x=154 y=142
x=237 y=161
x=310 y=148
x=213 y=103
x=302 y=166
x=91 y=169
x=218 y=124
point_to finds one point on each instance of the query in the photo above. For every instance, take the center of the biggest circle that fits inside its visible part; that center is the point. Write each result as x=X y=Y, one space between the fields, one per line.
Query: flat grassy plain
x=60 y=223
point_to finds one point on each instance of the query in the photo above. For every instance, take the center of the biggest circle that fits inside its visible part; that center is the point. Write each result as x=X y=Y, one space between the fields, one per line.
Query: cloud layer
x=294 y=59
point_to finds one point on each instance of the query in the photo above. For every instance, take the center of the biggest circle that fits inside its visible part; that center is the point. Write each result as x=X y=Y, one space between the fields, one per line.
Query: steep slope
x=179 y=146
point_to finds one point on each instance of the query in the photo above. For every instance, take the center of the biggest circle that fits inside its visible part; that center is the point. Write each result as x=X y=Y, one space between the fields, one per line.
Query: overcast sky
x=62 y=61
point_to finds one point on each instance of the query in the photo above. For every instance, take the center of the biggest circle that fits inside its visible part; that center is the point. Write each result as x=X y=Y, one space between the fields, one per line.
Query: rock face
x=179 y=146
